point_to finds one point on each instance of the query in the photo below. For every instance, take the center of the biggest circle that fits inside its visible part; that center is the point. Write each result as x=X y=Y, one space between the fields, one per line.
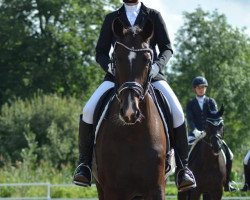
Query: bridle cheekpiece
x=139 y=89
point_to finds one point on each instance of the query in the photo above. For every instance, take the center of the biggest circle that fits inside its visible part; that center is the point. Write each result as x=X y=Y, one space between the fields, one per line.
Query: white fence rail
x=49 y=187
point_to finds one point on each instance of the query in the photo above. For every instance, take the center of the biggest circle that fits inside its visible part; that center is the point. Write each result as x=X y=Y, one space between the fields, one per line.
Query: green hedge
x=42 y=128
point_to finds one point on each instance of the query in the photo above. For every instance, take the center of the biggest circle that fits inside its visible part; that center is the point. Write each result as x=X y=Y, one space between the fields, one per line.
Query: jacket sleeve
x=104 y=43
x=162 y=41
x=190 y=116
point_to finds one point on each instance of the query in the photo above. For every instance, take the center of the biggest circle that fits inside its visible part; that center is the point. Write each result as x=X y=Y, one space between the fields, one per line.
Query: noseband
x=140 y=90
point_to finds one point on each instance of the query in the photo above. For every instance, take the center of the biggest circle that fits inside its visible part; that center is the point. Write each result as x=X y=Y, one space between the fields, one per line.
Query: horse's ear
x=147 y=30
x=221 y=111
x=118 y=28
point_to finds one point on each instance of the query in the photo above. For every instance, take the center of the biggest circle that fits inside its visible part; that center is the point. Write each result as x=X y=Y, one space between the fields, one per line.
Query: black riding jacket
x=160 y=38
x=196 y=117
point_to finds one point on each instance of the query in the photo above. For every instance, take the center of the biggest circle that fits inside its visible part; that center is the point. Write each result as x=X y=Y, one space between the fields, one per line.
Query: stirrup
x=230 y=188
x=80 y=183
x=185 y=187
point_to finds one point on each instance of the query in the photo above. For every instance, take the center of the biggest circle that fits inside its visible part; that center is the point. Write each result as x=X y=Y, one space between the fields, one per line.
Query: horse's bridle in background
x=218 y=136
x=139 y=89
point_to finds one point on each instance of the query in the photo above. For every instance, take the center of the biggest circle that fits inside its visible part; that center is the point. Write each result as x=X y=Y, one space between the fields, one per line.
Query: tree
x=49 y=45
x=207 y=45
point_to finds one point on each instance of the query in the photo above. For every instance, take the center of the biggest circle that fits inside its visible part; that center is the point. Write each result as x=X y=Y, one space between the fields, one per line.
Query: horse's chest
x=132 y=151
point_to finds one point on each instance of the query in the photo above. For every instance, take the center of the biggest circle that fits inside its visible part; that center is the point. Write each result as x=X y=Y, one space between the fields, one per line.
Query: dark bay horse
x=246 y=164
x=131 y=144
x=207 y=161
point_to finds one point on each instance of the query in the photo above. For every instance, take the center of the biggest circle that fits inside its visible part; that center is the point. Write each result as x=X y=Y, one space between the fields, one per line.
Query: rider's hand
x=154 y=70
x=197 y=133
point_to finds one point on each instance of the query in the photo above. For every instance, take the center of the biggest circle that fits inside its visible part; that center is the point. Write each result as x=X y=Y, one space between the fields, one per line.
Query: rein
x=140 y=90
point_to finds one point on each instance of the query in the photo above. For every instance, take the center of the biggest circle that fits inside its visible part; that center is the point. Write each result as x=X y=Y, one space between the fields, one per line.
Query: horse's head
x=132 y=63
x=214 y=130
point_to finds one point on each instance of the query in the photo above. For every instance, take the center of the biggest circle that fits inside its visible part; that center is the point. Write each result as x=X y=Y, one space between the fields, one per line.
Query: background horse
x=131 y=144
x=246 y=164
x=208 y=162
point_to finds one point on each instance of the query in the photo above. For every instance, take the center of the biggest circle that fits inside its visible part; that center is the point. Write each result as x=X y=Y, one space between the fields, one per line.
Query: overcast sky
x=236 y=11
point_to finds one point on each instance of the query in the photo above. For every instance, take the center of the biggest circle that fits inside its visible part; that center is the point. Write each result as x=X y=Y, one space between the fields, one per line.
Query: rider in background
x=197 y=111
x=246 y=164
x=134 y=12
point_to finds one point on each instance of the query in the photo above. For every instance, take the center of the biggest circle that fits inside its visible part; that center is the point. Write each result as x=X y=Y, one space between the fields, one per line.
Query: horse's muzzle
x=130 y=117
x=216 y=144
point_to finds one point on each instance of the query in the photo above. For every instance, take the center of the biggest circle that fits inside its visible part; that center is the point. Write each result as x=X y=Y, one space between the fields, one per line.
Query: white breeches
x=178 y=115
x=247 y=157
x=177 y=111
x=89 y=108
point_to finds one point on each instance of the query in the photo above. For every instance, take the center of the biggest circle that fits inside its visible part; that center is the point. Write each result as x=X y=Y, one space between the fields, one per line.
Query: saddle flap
x=103 y=101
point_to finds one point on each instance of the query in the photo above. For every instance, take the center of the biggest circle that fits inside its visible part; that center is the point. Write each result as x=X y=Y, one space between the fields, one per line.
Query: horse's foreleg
x=100 y=191
x=206 y=197
x=116 y=194
x=194 y=194
x=216 y=194
x=157 y=195
x=183 y=195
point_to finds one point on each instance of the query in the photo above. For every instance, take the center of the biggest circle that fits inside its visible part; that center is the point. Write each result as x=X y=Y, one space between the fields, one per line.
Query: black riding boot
x=184 y=177
x=228 y=187
x=83 y=173
x=246 y=186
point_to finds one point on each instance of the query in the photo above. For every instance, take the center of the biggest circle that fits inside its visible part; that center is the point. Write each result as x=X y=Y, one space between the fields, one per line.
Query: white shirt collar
x=201 y=101
x=132 y=12
x=200 y=98
x=134 y=8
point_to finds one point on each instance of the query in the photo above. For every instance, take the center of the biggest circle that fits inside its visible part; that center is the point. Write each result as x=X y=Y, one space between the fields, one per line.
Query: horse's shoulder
x=195 y=152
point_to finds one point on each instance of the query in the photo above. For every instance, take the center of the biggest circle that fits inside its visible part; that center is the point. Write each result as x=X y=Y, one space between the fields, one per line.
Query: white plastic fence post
x=48 y=191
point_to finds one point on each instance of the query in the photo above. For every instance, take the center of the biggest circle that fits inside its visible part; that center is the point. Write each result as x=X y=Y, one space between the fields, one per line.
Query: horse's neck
x=207 y=154
x=149 y=107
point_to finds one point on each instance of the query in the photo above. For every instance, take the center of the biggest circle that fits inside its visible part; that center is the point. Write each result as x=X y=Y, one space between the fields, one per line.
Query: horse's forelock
x=135 y=30
x=131 y=31
x=132 y=34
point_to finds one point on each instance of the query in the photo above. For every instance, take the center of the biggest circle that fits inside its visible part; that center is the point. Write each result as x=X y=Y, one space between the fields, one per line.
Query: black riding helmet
x=130 y=1
x=199 y=80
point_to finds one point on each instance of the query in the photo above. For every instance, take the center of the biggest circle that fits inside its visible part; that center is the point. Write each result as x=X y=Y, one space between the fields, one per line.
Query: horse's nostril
x=122 y=112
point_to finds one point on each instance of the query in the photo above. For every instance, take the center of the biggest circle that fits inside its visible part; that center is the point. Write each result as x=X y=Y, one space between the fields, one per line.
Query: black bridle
x=140 y=90
x=219 y=137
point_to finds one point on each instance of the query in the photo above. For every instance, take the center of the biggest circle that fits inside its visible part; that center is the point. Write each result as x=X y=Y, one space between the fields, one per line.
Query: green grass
x=46 y=173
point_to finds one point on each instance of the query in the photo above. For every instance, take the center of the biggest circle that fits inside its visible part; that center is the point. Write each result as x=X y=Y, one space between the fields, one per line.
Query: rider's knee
x=178 y=118
x=87 y=114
